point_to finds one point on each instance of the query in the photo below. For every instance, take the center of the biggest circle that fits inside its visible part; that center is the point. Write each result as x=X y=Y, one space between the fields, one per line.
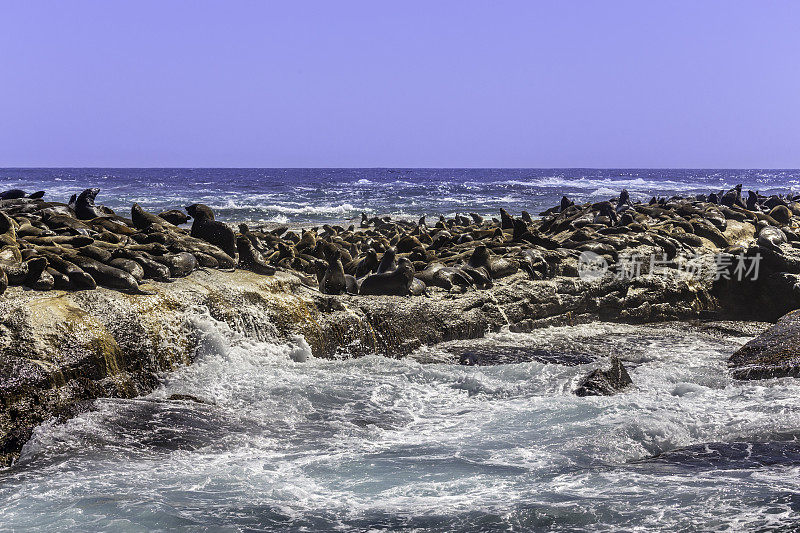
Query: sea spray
x=327 y=444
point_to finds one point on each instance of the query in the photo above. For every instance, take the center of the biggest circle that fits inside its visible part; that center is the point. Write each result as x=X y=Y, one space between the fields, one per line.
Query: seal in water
x=206 y=228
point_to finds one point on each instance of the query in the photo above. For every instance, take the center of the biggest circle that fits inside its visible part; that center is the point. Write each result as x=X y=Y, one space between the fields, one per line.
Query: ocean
x=420 y=443
x=312 y=196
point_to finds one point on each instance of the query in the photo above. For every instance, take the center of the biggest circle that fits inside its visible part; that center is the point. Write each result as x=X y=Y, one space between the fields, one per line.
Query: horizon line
x=383 y=168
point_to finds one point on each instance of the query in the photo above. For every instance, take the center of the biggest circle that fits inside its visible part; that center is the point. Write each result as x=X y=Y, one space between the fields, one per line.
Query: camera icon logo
x=591 y=266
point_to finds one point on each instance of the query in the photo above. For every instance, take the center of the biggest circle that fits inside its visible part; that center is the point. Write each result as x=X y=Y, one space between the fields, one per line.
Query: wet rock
x=726 y=456
x=605 y=382
x=185 y=398
x=774 y=353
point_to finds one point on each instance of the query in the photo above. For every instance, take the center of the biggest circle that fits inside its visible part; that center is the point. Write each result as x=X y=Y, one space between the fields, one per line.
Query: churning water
x=289 y=442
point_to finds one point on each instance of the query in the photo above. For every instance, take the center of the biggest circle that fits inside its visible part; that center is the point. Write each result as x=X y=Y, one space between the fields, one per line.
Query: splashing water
x=287 y=441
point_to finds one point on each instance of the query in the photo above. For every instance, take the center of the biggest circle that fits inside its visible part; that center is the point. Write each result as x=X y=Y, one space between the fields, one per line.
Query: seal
x=624 y=202
x=388 y=261
x=106 y=275
x=12 y=194
x=85 y=208
x=142 y=219
x=396 y=282
x=752 y=201
x=439 y=275
x=251 y=258
x=506 y=220
x=333 y=280
x=174 y=217
x=477 y=219
x=417 y=287
x=771 y=238
x=497 y=267
x=733 y=197
x=130 y=266
x=78 y=278
x=534 y=263
x=205 y=227
x=480 y=276
x=782 y=214
x=180 y=264
x=362 y=266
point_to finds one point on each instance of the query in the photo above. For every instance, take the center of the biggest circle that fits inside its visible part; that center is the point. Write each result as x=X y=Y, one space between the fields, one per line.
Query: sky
x=437 y=83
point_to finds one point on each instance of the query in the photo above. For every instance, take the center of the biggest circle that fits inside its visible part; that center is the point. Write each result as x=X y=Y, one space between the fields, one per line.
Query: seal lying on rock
x=15 y=194
x=205 y=227
x=496 y=267
x=394 y=282
x=174 y=217
x=771 y=238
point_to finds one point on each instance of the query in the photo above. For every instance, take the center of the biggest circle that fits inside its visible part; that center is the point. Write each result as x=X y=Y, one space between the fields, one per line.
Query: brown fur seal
x=174 y=217
x=497 y=267
x=388 y=261
x=396 y=282
x=85 y=208
x=439 y=275
x=362 y=266
x=180 y=264
x=142 y=219
x=333 y=280
x=78 y=278
x=251 y=258
x=771 y=238
x=207 y=228
x=108 y=276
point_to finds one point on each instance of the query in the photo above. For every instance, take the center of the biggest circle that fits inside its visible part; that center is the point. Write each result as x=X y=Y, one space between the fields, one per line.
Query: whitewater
x=284 y=441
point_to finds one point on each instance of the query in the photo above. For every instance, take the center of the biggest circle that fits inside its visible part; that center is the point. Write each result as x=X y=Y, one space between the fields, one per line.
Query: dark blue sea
x=308 y=195
x=289 y=442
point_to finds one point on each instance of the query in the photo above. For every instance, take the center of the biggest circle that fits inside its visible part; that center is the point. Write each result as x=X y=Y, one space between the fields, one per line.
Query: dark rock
x=774 y=353
x=605 y=382
x=185 y=398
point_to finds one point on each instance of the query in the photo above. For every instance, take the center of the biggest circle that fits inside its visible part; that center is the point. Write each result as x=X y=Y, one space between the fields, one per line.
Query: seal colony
x=79 y=245
x=378 y=286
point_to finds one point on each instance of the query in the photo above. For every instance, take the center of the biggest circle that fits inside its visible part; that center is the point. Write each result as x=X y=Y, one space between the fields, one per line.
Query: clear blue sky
x=696 y=83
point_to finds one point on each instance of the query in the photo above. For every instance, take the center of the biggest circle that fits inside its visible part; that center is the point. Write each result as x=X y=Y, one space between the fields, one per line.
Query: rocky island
x=98 y=304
